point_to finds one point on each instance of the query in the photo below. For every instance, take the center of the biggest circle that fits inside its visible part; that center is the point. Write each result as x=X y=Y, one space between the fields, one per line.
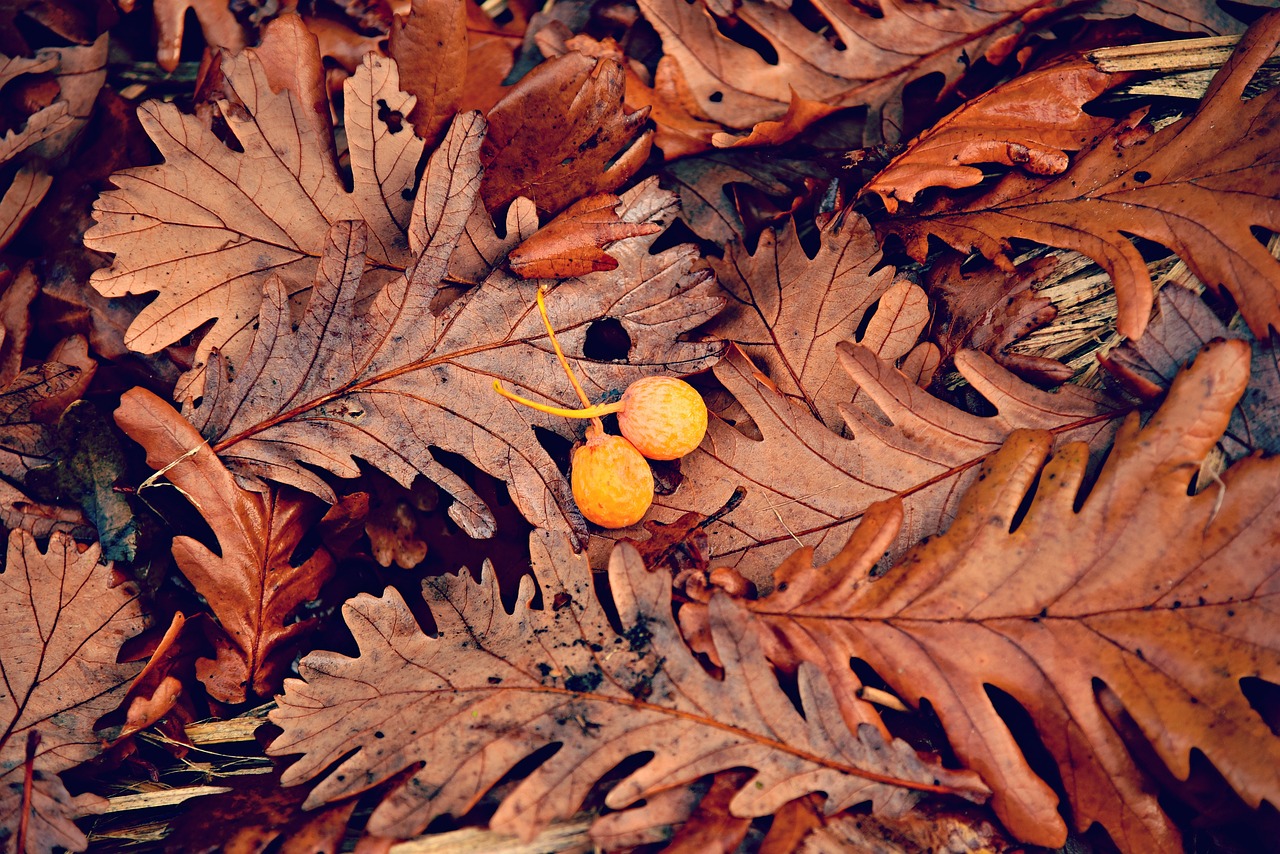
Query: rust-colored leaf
x=1198 y=186
x=64 y=623
x=394 y=383
x=561 y=133
x=253 y=587
x=491 y=688
x=206 y=228
x=1031 y=122
x=808 y=486
x=1164 y=596
x=573 y=243
x=430 y=46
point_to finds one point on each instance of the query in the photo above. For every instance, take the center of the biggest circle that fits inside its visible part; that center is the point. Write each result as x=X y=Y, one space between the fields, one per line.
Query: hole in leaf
x=393 y=119
x=606 y=341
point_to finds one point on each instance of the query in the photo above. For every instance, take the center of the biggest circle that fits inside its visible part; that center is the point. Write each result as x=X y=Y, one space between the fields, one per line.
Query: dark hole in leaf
x=393 y=119
x=607 y=341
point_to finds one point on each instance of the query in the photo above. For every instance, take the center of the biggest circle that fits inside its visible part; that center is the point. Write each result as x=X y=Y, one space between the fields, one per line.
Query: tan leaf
x=218 y=25
x=492 y=688
x=64 y=624
x=394 y=383
x=788 y=311
x=431 y=45
x=1165 y=597
x=808 y=486
x=253 y=587
x=573 y=243
x=1031 y=122
x=561 y=133
x=206 y=228
x=20 y=199
x=1198 y=186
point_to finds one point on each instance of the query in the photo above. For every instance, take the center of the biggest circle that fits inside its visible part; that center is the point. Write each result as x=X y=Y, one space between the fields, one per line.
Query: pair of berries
x=662 y=418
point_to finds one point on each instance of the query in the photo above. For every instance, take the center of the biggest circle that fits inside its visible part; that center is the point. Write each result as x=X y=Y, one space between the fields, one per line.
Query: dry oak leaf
x=253 y=587
x=573 y=243
x=1198 y=186
x=26 y=406
x=788 y=311
x=808 y=486
x=1181 y=326
x=206 y=228
x=862 y=54
x=64 y=624
x=1165 y=597
x=430 y=46
x=561 y=133
x=492 y=688
x=390 y=384
x=1031 y=122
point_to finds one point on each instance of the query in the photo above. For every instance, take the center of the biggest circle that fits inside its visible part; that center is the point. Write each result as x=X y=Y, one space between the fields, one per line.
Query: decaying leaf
x=808 y=486
x=561 y=133
x=491 y=688
x=25 y=440
x=253 y=587
x=390 y=384
x=206 y=228
x=64 y=624
x=573 y=243
x=1030 y=123
x=1181 y=326
x=1167 y=598
x=217 y=23
x=1198 y=186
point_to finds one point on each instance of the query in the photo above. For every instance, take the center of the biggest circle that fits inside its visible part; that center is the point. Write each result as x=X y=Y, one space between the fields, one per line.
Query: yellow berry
x=665 y=418
x=611 y=482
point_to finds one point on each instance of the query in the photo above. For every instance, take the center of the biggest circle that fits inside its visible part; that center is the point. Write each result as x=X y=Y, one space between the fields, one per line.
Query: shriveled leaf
x=561 y=133
x=89 y=464
x=808 y=486
x=800 y=113
x=1166 y=597
x=64 y=623
x=938 y=831
x=392 y=384
x=1030 y=123
x=862 y=54
x=430 y=43
x=208 y=227
x=491 y=688
x=253 y=587
x=787 y=311
x=1198 y=186
x=1182 y=325
x=573 y=243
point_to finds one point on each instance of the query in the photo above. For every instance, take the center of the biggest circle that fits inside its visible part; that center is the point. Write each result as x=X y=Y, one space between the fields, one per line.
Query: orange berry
x=665 y=418
x=611 y=482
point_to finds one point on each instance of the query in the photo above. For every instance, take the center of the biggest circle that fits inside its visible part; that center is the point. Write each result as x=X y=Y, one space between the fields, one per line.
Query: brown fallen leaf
x=64 y=624
x=573 y=243
x=712 y=827
x=253 y=587
x=20 y=511
x=808 y=486
x=430 y=46
x=1198 y=186
x=1165 y=597
x=788 y=311
x=800 y=113
x=395 y=382
x=392 y=520
x=1181 y=326
x=206 y=228
x=25 y=438
x=937 y=831
x=561 y=133
x=860 y=55
x=492 y=688
x=1030 y=123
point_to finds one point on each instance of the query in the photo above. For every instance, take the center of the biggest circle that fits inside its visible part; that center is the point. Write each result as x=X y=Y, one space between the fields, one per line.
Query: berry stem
x=564 y=363
x=589 y=412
